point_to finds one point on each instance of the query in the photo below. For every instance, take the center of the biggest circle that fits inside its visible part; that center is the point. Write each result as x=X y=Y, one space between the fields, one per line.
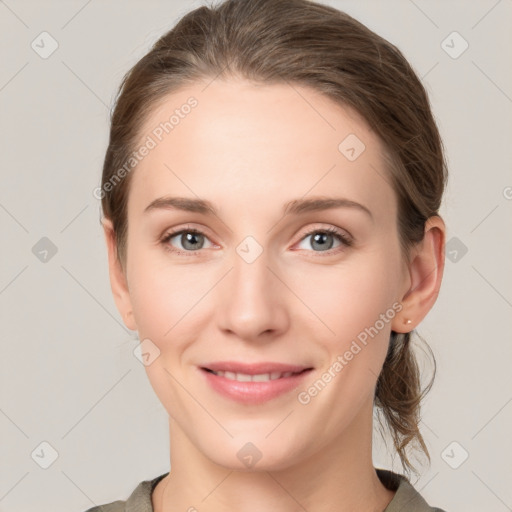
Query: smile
x=254 y=389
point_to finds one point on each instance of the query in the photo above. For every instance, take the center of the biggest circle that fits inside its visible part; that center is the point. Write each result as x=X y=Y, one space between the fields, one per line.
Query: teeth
x=261 y=377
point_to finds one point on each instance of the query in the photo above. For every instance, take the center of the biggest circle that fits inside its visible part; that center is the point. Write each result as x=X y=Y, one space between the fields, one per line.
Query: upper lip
x=253 y=368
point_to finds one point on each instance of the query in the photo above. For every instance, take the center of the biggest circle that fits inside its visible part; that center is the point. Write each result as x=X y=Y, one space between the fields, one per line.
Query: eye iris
x=318 y=237
x=190 y=237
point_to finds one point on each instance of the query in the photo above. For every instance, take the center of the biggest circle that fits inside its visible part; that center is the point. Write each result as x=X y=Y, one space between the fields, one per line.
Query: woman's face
x=262 y=283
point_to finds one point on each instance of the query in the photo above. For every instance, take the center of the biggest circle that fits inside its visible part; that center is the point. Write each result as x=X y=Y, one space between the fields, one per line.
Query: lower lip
x=254 y=392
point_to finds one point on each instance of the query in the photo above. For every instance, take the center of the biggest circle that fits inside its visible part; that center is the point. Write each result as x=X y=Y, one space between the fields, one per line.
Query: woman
x=270 y=195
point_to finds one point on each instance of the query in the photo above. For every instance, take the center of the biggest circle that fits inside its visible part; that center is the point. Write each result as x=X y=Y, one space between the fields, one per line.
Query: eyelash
x=344 y=239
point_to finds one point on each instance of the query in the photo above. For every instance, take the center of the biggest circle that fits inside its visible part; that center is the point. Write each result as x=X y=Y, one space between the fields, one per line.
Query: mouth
x=254 y=388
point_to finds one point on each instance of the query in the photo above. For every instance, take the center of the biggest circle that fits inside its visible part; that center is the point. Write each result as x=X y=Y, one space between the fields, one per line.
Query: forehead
x=242 y=145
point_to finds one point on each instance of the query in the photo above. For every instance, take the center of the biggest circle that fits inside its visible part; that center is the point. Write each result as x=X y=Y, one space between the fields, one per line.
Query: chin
x=254 y=456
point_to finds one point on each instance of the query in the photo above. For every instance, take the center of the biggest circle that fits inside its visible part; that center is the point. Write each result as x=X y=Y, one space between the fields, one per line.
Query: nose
x=252 y=299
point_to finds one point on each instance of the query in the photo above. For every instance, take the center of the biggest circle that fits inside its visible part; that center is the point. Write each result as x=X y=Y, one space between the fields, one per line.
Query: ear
x=425 y=275
x=118 y=281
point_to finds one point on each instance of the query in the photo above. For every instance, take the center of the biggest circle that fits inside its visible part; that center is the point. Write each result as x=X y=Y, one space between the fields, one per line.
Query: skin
x=249 y=149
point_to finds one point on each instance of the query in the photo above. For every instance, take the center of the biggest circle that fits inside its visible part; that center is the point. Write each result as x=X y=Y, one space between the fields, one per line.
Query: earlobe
x=118 y=281
x=426 y=273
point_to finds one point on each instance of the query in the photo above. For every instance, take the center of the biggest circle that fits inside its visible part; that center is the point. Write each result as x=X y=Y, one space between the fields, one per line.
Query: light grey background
x=68 y=374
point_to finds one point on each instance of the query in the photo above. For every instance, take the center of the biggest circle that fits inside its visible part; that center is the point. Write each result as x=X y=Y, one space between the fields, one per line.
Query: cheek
x=166 y=304
x=349 y=297
x=170 y=302
x=158 y=295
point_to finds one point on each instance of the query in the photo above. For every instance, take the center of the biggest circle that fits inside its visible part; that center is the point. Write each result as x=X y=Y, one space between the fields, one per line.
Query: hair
x=309 y=44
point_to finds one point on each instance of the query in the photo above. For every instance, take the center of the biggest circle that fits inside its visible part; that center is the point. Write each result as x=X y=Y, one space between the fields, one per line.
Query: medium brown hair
x=302 y=42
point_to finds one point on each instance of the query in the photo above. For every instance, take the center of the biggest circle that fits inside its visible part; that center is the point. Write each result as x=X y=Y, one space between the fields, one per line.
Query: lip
x=254 y=393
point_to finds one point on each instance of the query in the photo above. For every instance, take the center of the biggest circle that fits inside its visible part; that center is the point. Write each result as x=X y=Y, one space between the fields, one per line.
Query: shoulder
x=139 y=500
x=406 y=496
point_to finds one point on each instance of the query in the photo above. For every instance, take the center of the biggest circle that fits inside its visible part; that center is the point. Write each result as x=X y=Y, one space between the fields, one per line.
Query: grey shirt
x=406 y=498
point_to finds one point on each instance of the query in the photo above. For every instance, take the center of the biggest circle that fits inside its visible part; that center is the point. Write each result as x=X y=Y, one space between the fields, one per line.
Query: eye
x=323 y=239
x=191 y=240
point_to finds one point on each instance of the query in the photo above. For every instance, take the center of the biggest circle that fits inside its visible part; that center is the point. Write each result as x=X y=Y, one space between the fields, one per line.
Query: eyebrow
x=294 y=207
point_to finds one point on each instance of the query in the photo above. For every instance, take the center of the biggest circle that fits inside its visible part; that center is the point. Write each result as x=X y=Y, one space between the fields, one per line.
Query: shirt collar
x=406 y=497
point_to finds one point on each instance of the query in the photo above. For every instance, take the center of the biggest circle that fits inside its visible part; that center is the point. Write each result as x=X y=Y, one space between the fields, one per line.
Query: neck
x=341 y=476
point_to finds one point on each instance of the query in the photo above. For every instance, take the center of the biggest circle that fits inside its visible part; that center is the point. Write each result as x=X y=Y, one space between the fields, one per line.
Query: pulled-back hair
x=305 y=43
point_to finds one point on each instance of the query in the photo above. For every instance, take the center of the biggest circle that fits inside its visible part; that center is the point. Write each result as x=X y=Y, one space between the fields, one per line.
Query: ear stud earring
x=407 y=321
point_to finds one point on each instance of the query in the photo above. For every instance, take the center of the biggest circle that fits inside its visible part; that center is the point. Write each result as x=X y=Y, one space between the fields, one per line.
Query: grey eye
x=190 y=240
x=321 y=240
